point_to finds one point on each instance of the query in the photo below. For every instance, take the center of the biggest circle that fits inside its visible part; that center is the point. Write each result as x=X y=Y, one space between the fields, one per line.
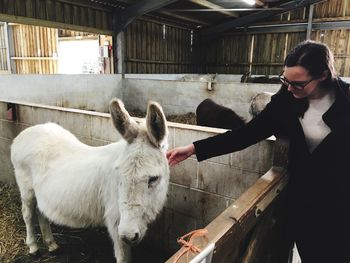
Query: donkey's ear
x=126 y=126
x=156 y=124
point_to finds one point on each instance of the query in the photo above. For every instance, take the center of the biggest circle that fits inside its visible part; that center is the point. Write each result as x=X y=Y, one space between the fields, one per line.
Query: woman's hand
x=179 y=154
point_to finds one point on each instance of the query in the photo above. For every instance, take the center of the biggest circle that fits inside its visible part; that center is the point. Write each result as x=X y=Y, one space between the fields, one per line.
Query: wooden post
x=309 y=22
x=7 y=49
x=120 y=53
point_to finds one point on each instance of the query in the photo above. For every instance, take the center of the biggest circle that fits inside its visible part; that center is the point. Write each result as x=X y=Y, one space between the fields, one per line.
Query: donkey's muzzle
x=131 y=240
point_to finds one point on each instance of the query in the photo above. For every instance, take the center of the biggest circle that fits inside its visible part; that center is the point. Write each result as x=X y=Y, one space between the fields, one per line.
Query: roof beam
x=309 y=22
x=129 y=14
x=221 y=10
x=217 y=30
x=210 y=5
x=294 y=27
x=185 y=18
x=86 y=4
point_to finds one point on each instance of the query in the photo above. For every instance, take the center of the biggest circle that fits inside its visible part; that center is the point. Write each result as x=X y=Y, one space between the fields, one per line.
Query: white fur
x=77 y=185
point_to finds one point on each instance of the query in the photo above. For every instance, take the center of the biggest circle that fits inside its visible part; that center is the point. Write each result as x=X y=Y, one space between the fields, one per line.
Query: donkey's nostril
x=131 y=240
x=136 y=237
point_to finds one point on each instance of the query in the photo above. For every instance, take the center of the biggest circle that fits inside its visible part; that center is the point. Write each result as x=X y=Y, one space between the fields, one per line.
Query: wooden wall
x=154 y=47
x=264 y=53
x=58 y=13
x=227 y=55
x=35 y=49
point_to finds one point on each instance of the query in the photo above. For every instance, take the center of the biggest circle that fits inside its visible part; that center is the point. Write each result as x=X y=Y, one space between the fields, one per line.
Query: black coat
x=319 y=185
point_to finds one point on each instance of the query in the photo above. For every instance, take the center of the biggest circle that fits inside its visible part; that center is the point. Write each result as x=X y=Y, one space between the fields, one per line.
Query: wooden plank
x=49 y=48
x=229 y=228
x=127 y=51
x=186 y=55
x=133 y=46
x=14 y=30
x=29 y=9
x=44 y=50
x=176 y=50
x=37 y=47
x=86 y=4
x=29 y=40
x=211 y=5
x=23 y=44
x=45 y=23
x=2 y=48
x=99 y=17
x=76 y=16
x=143 y=47
x=153 y=49
x=148 y=35
x=182 y=49
x=160 y=47
x=165 y=50
x=157 y=42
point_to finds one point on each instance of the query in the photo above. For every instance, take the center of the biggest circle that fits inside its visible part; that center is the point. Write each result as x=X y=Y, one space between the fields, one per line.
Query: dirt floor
x=76 y=245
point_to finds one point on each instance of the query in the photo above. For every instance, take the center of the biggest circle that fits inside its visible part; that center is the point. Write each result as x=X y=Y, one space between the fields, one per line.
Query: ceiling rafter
x=186 y=18
x=129 y=14
x=224 y=9
x=86 y=4
x=211 y=5
x=217 y=30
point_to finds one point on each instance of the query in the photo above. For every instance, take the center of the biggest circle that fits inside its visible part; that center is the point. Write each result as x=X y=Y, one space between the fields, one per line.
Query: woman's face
x=301 y=84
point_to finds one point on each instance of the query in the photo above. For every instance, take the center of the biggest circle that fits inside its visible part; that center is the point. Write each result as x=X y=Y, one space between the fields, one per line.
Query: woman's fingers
x=179 y=154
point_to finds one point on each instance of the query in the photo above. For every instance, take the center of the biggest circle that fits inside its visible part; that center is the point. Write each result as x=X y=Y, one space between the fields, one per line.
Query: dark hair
x=315 y=57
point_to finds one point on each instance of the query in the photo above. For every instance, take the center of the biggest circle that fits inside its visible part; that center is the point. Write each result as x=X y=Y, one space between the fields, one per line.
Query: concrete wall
x=91 y=92
x=178 y=93
x=198 y=191
x=188 y=77
x=180 y=97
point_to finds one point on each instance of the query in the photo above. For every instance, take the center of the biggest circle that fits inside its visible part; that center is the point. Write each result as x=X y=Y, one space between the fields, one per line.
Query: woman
x=312 y=109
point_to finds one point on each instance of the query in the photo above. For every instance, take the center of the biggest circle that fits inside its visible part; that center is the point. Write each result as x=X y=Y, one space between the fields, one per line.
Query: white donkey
x=122 y=185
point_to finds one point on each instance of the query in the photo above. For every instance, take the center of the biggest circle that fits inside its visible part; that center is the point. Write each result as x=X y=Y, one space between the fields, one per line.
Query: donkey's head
x=143 y=169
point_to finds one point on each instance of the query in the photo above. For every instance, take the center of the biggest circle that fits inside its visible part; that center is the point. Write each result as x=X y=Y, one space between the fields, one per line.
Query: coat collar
x=338 y=115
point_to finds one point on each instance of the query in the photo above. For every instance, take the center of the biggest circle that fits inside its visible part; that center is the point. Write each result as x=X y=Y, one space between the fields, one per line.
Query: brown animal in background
x=247 y=78
x=211 y=114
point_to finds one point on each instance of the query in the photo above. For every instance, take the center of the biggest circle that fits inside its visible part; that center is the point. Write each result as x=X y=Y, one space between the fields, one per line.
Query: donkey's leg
x=28 y=208
x=122 y=251
x=24 y=183
x=46 y=232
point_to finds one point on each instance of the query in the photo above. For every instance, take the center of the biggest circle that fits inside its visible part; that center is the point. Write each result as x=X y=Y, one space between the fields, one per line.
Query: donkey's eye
x=151 y=180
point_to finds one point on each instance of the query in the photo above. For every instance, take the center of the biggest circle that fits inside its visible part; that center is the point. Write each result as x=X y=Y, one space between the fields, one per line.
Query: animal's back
x=209 y=113
x=40 y=141
x=46 y=157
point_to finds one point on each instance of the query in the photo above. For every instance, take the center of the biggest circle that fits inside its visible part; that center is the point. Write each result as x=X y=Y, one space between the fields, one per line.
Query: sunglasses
x=299 y=85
